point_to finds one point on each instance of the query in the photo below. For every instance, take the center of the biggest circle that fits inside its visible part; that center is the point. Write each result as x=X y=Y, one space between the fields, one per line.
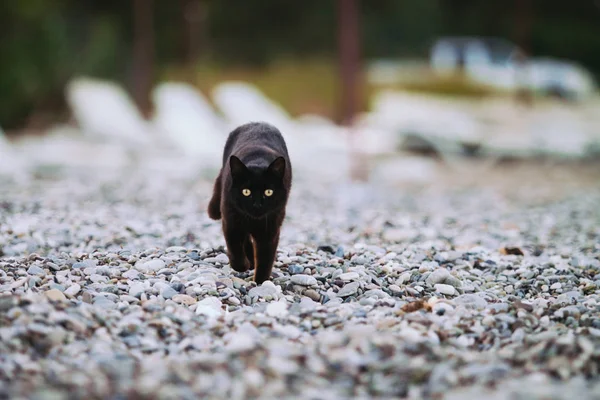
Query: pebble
x=267 y=289
x=72 y=290
x=410 y=295
x=151 y=266
x=184 y=299
x=222 y=259
x=304 y=280
x=295 y=269
x=438 y=276
x=168 y=292
x=35 y=270
x=277 y=309
x=103 y=302
x=312 y=294
x=444 y=289
x=136 y=289
x=349 y=276
x=55 y=295
x=210 y=307
x=349 y=289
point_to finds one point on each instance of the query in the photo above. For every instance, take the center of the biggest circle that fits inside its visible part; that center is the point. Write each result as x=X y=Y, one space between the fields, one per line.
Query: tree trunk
x=349 y=58
x=143 y=54
x=523 y=25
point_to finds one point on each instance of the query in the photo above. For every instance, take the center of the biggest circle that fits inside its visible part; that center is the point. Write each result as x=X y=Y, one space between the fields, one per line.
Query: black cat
x=250 y=194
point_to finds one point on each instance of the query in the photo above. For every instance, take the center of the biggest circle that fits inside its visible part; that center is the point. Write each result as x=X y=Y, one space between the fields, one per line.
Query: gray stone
x=349 y=289
x=295 y=269
x=304 y=280
x=35 y=270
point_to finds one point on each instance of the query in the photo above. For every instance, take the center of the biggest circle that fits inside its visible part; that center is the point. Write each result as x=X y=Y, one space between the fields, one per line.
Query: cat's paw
x=240 y=266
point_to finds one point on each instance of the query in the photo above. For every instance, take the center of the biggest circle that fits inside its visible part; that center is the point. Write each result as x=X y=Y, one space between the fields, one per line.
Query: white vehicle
x=493 y=62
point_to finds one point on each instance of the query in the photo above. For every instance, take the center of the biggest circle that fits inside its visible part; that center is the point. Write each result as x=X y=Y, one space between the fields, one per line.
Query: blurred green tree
x=44 y=43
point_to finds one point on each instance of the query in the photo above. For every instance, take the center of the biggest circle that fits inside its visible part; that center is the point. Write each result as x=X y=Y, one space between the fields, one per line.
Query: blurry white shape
x=547 y=74
x=444 y=57
x=433 y=119
x=372 y=139
x=185 y=116
x=322 y=133
x=65 y=146
x=491 y=61
x=560 y=133
x=383 y=72
x=476 y=54
x=241 y=102
x=313 y=144
x=104 y=110
x=11 y=164
x=500 y=77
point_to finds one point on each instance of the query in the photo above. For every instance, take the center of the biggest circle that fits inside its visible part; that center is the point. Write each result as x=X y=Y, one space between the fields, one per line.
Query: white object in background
x=64 y=146
x=104 y=111
x=242 y=102
x=444 y=57
x=11 y=163
x=189 y=121
x=547 y=74
x=447 y=127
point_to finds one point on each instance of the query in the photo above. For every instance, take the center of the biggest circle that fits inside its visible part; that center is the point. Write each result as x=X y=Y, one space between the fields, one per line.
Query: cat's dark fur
x=255 y=158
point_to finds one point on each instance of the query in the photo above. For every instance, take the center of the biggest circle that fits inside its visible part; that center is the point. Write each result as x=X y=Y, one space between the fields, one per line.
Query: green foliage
x=45 y=43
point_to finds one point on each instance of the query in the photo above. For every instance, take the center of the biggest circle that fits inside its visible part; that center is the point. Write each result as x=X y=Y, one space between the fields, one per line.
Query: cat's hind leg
x=214 y=206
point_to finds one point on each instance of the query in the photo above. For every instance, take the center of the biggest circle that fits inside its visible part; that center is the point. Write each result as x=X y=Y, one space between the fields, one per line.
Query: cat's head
x=258 y=191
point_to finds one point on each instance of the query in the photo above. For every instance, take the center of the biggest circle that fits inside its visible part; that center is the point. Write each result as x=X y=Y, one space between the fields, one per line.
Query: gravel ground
x=120 y=288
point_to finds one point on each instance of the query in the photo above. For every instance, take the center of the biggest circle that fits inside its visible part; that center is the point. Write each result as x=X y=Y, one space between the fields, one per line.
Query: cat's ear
x=237 y=167
x=277 y=167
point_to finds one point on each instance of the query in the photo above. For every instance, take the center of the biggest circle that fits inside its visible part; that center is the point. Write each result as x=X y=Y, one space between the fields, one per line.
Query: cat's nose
x=257 y=205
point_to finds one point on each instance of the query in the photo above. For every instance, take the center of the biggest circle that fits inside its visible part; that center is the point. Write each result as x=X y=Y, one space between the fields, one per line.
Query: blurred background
x=358 y=82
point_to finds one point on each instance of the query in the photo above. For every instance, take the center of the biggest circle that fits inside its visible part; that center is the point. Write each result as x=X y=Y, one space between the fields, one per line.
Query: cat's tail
x=214 y=206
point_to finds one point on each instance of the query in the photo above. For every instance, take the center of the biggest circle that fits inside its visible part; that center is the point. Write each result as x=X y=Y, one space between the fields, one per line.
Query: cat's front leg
x=235 y=238
x=266 y=251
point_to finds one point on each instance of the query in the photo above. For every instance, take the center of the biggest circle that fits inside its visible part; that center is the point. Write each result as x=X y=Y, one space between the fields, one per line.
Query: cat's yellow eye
x=268 y=192
x=246 y=192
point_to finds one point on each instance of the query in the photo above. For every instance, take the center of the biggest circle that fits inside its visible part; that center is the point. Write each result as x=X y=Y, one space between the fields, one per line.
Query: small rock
x=268 y=288
x=184 y=299
x=349 y=276
x=175 y=249
x=295 y=269
x=72 y=290
x=304 y=280
x=438 y=276
x=222 y=259
x=136 y=289
x=240 y=342
x=313 y=294
x=471 y=301
x=326 y=248
x=55 y=295
x=103 y=302
x=210 y=306
x=444 y=289
x=277 y=309
x=131 y=274
x=168 y=292
x=151 y=266
x=349 y=289
x=35 y=270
